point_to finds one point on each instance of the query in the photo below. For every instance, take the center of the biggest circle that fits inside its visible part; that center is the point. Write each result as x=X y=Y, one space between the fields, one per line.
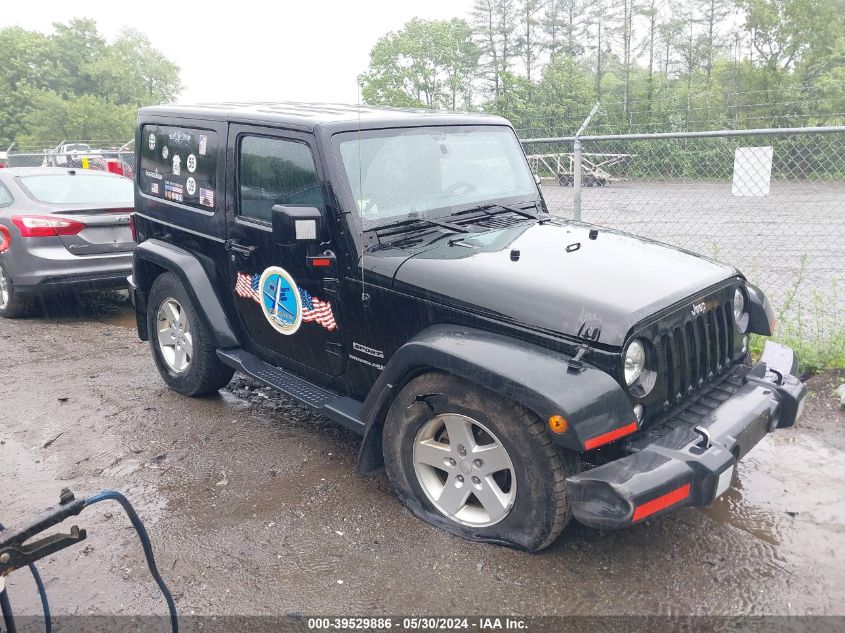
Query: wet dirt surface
x=254 y=506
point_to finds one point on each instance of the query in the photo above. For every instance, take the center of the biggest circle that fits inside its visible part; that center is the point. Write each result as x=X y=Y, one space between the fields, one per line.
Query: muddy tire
x=182 y=347
x=12 y=306
x=475 y=464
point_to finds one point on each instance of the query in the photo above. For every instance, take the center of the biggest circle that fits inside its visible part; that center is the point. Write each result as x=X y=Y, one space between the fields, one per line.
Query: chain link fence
x=771 y=202
x=103 y=156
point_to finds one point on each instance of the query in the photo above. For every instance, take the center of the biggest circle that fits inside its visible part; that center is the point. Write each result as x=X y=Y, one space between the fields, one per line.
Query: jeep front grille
x=695 y=351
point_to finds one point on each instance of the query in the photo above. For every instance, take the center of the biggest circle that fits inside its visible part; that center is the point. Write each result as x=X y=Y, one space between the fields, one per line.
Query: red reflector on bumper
x=663 y=501
x=615 y=434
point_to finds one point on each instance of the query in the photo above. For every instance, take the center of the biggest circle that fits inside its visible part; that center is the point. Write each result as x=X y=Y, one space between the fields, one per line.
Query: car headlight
x=634 y=361
x=740 y=315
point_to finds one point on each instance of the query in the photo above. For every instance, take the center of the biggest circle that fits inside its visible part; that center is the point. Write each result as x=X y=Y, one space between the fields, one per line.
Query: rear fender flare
x=535 y=377
x=154 y=256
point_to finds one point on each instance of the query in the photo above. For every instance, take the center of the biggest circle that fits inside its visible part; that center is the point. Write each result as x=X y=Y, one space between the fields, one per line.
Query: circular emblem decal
x=280 y=300
x=165 y=152
x=152 y=141
x=191 y=186
x=192 y=163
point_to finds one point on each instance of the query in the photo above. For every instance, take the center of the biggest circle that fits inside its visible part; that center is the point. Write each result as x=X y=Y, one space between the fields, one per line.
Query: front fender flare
x=533 y=376
x=188 y=267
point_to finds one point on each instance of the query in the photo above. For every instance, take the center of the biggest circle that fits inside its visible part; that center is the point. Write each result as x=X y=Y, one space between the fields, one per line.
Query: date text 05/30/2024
x=477 y=623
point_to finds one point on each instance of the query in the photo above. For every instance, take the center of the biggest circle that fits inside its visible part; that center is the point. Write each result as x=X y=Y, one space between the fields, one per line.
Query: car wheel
x=180 y=342
x=475 y=464
x=11 y=305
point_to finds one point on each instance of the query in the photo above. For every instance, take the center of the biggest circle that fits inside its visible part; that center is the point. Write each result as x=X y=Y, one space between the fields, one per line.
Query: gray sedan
x=62 y=231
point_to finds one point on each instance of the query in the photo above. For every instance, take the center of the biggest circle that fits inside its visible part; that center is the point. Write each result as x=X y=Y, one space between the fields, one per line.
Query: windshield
x=79 y=189
x=398 y=174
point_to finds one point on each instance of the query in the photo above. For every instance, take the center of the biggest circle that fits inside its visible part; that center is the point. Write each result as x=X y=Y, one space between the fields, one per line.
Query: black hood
x=558 y=280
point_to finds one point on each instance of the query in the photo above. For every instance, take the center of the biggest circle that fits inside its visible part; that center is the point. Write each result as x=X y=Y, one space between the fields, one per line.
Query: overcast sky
x=250 y=50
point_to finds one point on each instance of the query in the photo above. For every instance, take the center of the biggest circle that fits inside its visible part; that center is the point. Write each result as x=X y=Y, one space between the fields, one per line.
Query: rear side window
x=79 y=189
x=276 y=171
x=5 y=196
x=179 y=164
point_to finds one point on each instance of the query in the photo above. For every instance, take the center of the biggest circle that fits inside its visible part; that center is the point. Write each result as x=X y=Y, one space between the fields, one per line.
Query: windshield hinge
x=576 y=363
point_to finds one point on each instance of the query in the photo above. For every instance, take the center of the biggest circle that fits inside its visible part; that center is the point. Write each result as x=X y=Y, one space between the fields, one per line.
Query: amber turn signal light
x=558 y=424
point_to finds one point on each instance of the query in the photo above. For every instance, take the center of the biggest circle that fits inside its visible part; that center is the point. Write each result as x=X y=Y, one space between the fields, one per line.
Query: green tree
x=132 y=72
x=47 y=82
x=87 y=117
x=429 y=63
x=75 y=46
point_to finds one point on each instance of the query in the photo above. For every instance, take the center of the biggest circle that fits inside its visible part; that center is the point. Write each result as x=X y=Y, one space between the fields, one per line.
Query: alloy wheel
x=175 y=340
x=464 y=470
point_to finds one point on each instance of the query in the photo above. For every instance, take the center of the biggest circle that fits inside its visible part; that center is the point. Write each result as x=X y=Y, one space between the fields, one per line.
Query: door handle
x=240 y=249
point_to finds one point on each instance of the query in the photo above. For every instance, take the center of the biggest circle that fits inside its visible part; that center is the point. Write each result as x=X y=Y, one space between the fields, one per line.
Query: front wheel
x=182 y=347
x=475 y=464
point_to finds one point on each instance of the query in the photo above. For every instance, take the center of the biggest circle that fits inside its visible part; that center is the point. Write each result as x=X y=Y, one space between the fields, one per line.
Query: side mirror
x=294 y=225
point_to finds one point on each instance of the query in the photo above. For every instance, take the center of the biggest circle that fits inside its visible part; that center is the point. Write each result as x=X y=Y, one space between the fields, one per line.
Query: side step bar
x=341 y=409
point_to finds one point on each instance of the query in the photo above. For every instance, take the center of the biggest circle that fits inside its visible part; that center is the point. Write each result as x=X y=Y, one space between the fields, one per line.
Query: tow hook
x=704 y=438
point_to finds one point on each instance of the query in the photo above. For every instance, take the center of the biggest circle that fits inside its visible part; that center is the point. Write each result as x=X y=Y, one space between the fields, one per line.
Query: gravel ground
x=254 y=506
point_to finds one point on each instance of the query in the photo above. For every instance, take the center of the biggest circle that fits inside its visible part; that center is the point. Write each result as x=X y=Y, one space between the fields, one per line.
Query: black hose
x=105 y=495
x=6 y=607
x=113 y=495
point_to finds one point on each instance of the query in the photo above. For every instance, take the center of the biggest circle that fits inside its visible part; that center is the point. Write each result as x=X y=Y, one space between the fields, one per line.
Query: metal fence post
x=576 y=168
x=576 y=182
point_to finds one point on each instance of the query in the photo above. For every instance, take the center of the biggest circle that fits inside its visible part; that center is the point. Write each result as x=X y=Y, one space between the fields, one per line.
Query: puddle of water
x=789 y=492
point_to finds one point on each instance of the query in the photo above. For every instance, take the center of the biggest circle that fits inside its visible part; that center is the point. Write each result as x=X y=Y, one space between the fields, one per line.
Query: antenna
x=360 y=202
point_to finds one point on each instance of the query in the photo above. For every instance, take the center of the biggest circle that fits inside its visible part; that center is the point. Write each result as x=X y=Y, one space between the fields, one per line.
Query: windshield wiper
x=496 y=209
x=399 y=227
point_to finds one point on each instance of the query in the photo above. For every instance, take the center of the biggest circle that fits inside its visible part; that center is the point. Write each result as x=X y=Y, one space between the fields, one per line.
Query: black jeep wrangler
x=399 y=272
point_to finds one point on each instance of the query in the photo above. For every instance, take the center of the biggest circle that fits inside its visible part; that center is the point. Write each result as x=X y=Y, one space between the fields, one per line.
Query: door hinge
x=331 y=286
x=335 y=349
x=240 y=249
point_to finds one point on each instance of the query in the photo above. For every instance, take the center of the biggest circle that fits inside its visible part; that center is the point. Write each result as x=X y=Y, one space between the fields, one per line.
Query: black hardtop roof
x=308 y=116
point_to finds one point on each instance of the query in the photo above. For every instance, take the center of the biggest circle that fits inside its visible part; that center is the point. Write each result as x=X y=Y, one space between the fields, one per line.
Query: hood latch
x=576 y=363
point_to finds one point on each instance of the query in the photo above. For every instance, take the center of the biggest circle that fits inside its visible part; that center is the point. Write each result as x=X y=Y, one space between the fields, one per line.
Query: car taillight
x=5 y=239
x=46 y=225
x=132 y=228
x=114 y=166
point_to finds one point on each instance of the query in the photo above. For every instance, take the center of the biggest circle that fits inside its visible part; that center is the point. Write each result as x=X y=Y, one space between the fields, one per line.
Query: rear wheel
x=12 y=306
x=475 y=464
x=182 y=347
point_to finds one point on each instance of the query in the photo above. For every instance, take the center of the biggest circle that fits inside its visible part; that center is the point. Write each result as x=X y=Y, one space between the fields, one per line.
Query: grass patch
x=815 y=331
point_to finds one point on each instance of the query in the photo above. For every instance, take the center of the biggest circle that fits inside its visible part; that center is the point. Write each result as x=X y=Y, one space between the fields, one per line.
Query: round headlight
x=740 y=316
x=634 y=361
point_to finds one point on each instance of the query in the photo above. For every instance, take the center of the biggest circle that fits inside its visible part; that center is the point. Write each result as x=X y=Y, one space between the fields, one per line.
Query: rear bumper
x=76 y=282
x=690 y=458
x=50 y=268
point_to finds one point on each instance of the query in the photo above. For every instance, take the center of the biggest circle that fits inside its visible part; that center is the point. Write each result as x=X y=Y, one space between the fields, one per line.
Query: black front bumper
x=689 y=459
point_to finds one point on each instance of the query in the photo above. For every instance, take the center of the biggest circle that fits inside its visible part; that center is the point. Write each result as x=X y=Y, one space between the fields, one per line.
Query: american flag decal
x=313 y=309
x=246 y=286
